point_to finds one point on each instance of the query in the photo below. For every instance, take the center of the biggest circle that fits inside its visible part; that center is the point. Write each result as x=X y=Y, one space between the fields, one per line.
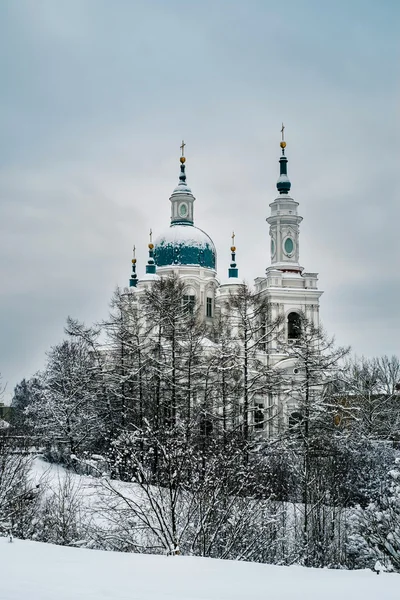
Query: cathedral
x=189 y=253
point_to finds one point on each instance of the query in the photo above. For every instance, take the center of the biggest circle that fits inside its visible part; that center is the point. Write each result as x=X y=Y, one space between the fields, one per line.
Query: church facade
x=292 y=293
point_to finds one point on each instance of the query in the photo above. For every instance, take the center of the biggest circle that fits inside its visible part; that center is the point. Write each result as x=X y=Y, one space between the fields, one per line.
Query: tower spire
x=233 y=271
x=133 y=280
x=283 y=184
x=284 y=222
x=151 y=265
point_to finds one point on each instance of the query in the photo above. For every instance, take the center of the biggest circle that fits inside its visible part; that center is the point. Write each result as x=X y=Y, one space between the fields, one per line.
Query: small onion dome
x=185 y=245
x=133 y=280
x=283 y=184
x=233 y=271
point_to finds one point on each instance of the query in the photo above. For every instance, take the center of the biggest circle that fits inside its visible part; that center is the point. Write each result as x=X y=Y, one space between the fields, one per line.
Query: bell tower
x=284 y=221
x=290 y=291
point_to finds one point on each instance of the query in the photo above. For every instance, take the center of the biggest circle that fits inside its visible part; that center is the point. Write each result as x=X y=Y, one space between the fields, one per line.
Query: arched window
x=209 y=307
x=189 y=302
x=294 y=326
x=259 y=416
x=295 y=420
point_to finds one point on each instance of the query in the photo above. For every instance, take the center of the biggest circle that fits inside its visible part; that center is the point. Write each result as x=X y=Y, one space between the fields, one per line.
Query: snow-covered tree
x=19 y=495
x=370 y=398
x=65 y=410
x=311 y=436
x=378 y=525
x=247 y=318
x=25 y=394
x=60 y=518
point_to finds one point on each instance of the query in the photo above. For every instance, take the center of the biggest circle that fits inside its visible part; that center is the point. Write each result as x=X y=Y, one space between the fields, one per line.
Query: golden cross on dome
x=182 y=147
x=282 y=132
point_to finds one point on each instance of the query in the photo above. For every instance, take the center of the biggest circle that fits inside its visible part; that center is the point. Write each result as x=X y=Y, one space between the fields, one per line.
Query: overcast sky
x=96 y=96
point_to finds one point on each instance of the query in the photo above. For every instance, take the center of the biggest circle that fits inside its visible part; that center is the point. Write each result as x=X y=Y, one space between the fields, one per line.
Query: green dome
x=185 y=244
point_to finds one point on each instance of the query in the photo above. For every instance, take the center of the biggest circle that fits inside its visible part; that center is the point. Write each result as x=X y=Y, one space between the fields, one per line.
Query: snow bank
x=35 y=571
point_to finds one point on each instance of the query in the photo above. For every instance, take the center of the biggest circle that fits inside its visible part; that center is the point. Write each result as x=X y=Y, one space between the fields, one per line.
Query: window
x=209 y=307
x=189 y=303
x=259 y=416
x=263 y=336
x=295 y=420
x=288 y=246
x=294 y=326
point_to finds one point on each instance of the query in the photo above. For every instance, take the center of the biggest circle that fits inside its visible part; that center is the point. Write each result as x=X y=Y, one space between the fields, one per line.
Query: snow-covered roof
x=182 y=188
x=189 y=235
x=232 y=281
x=149 y=277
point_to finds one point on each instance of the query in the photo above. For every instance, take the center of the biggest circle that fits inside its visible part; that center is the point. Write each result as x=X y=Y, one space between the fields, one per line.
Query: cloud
x=96 y=99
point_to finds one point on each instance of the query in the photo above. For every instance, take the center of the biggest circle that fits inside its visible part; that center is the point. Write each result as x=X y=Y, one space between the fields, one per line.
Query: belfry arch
x=293 y=326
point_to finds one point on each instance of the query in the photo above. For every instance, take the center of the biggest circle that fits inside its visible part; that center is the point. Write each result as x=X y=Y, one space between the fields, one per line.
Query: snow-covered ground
x=36 y=571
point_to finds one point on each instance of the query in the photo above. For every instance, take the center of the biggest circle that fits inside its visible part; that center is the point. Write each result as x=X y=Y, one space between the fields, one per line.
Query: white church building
x=189 y=253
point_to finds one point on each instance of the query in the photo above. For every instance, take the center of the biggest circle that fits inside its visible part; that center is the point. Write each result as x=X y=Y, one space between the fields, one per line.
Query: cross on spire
x=283 y=132
x=182 y=147
x=233 y=238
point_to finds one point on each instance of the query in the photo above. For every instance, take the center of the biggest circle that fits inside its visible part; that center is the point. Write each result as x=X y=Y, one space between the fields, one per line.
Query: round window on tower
x=272 y=247
x=183 y=210
x=288 y=246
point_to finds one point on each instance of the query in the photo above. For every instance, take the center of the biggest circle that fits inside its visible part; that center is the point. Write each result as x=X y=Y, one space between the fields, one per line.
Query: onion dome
x=133 y=280
x=151 y=266
x=233 y=270
x=151 y=274
x=183 y=243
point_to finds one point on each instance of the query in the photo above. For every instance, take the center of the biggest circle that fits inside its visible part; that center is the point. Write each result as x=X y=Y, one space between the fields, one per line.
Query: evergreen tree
x=25 y=394
x=379 y=524
x=65 y=411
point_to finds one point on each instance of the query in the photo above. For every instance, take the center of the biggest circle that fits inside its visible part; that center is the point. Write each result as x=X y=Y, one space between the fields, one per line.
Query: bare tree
x=206 y=511
x=19 y=494
x=369 y=397
x=312 y=428
x=248 y=318
x=63 y=515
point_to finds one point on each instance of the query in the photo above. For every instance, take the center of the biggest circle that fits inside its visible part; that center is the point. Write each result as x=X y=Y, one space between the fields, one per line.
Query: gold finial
x=283 y=143
x=151 y=245
x=233 y=247
x=134 y=255
x=182 y=147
